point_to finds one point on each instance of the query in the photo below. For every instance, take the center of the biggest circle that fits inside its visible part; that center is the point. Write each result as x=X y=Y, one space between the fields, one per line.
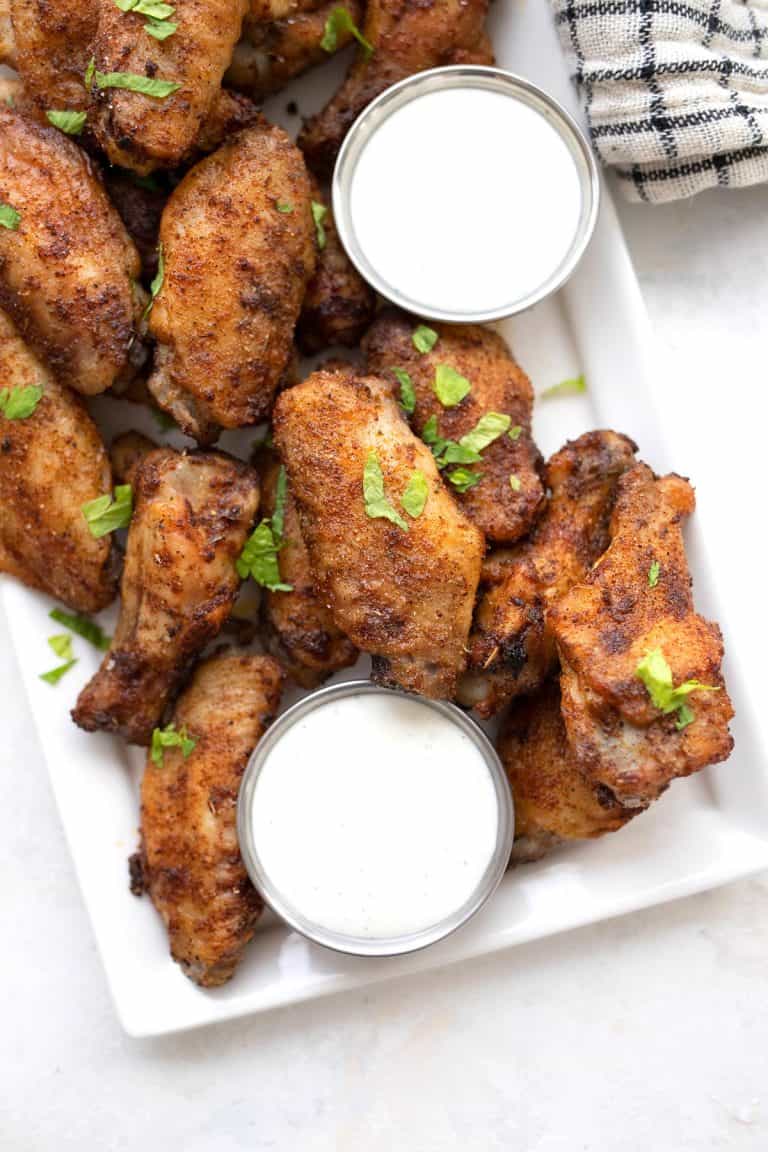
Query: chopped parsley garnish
x=450 y=386
x=66 y=121
x=20 y=402
x=338 y=22
x=9 y=217
x=82 y=626
x=424 y=339
x=407 y=391
x=488 y=428
x=157 y=281
x=278 y=516
x=284 y=206
x=258 y=558
x=415 y=496
x=319 y=212
x=146 y=85
x=462 y=479
x=105 y=514
x=514 y=483
x=168 y=737
x=377 y=506
x=62 y=647
x=653 y=574
x=656 y=675
x=468 y=449
x=515 y=431
x=566 y=388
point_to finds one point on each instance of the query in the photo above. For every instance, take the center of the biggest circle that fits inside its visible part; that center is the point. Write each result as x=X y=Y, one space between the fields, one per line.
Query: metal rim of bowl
x=363 y=945
x=476 y=76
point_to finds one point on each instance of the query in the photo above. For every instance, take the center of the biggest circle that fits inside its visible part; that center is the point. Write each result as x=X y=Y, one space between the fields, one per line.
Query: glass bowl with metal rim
x=385 y=944
x=460 y=206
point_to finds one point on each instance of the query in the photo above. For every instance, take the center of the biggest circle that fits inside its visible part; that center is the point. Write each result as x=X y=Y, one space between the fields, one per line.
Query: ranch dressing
x=465 y=201
x=374 y=816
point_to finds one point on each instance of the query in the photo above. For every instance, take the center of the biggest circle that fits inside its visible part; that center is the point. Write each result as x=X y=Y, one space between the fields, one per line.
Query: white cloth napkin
x=675 y=91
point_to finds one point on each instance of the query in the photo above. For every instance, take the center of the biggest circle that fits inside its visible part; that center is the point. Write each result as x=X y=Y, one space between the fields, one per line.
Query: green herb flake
x=90 y=72
x=514 y=483
x=515 y=432
x=56 y=674
x=488 y=428
x=132 y=82
x=319 y=213
x=424 y=339
x=105 y=514
x=154 y=9
x=566 y=388
x=457 y=453
x=157 y=281
x=160 y=29
x=450 y=386
x=407 y=391
x=339 y=21
x=20 y=402
x=258 y=559
x=377 y=506
x=656 y=675
x=284 y=206
x=462 y=479
x=653 y=574
x=61 y=645
x=66 y=121
x=9 y=217
x=168 y=737
x=415 y=496
x=82 y=626
x=281 y=493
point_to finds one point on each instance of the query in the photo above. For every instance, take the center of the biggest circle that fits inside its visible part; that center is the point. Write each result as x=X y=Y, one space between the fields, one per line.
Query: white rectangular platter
x=704 y=831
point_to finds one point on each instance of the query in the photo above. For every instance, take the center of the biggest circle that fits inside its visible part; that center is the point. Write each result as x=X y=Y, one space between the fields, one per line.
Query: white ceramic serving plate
x=705 y=831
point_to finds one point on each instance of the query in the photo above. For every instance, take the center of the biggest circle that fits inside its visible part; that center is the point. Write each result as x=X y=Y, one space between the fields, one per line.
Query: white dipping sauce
x=374 y=816
x=465 y=200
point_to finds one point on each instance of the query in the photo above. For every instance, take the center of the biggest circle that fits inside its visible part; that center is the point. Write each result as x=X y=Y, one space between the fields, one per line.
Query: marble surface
x=646 y=1032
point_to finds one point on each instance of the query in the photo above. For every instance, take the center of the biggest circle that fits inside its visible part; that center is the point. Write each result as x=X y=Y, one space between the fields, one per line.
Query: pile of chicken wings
x=161 y=241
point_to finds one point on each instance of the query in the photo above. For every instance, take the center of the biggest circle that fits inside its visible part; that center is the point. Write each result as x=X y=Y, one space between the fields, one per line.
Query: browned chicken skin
x=608 y=623
x=407 y=36
x=51 y=463
x=192 y=515
x=510 y=649
x=50 y=43
x=338 y=304
x=499 y=385
x=405 y=596
x=145 y=132
x=68 y=272
x=236 y=267
x=301 y=631
x=189 y=860
x=127 y=453
x=554 y=801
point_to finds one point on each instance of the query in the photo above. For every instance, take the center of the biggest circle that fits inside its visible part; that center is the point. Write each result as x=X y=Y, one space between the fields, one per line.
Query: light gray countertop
x=647 y=1032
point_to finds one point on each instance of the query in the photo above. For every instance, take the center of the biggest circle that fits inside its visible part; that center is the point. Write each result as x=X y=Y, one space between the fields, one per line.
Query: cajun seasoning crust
x=235 y=273
x=301 y=631
x=554 y=800
x=607 y=623
x=407 y=36
x=498 y=385
x=405 y=597
x=51 y=49
x=143 y=132
x=511 y=649
x=192 y=516
x=190 y=857
x=67 y=273
x=51 y=463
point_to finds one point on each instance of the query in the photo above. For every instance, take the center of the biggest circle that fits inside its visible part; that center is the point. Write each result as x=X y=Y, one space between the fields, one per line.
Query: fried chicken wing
x=50 y=48
x=403 y=592
x=239 y=247
x=301 y=631
x=192 y=515
x=51 y=463
x=511 y=650
x=189 y=861
x=407 y=36
x=127 y=453
x=68 y=270
x=338 y=304
x=635 y=601
x=144 y=132
x=554 y=801
x=503 y=512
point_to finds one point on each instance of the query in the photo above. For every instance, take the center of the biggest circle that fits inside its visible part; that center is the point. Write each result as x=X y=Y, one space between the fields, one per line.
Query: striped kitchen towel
x=675 y=91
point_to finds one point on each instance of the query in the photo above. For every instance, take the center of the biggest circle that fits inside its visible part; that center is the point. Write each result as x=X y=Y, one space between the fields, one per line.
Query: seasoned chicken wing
x=68 y=268
x=189 y=860
x=400 y=584
x=147 y=131
x=50 y=48
x=406 y=36
x=509 y=494
x=643 y=694
x=554 y=801
x=192 y=515
x=127 y=453
x=239 y=248
x=510 y=649
x=301 y=631
x=51 y=463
